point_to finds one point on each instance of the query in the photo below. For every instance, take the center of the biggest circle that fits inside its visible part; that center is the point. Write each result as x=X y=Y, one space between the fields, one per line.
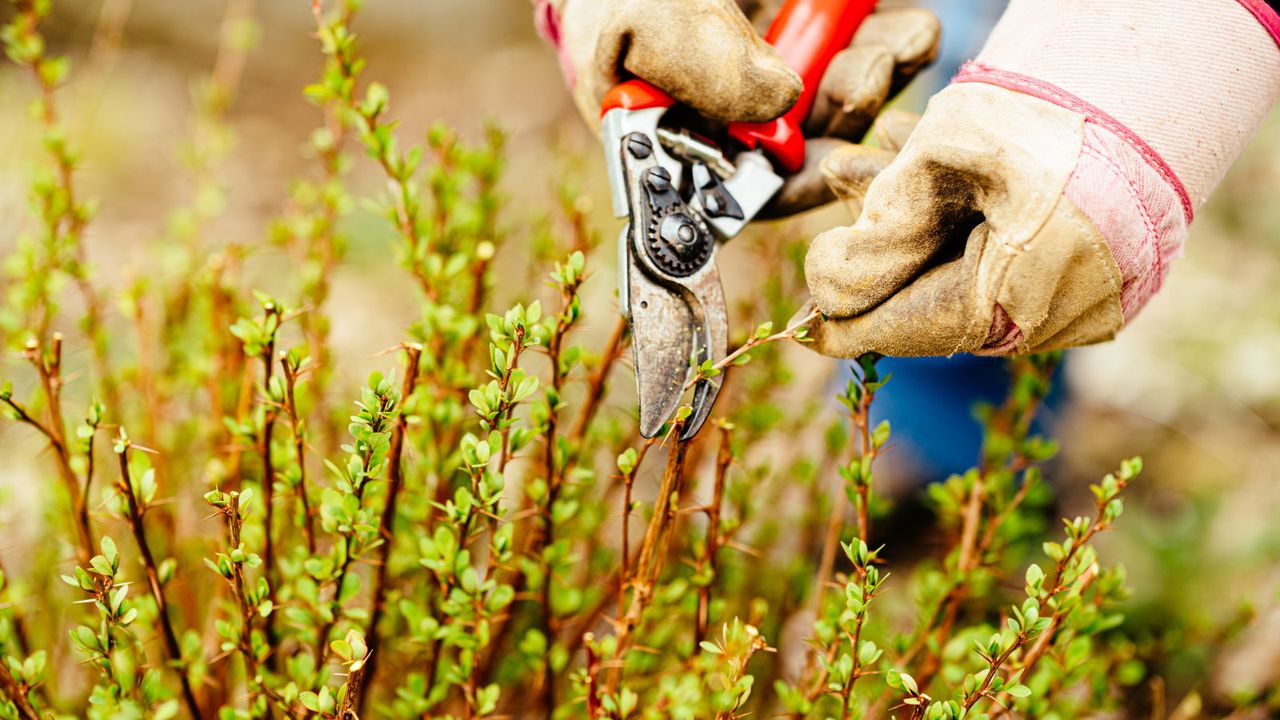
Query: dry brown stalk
x=596 y=385
x=628 y=481
x=386 y=529
x=49 y=368
x=253 y=671
x=136 y=511
x=594 y=709
x=653 y=548
x=707 y=563
x=860 y=423
x=268 y=358
x=291 y=375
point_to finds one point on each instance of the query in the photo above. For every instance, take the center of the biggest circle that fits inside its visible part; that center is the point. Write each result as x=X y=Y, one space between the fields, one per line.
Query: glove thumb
x=849 y=169
x=729 y=73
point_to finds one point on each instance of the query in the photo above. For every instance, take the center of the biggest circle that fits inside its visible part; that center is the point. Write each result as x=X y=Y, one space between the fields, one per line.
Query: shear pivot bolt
x=679 y=231
x=639 y=146
x=658 y=180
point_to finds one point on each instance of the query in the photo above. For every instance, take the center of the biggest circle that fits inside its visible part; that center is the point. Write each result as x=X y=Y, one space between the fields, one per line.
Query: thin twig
x=386 y=526
x=49 y=369
x=291 y=375
x=268 y=358
x=792 y=332
x=652 y=549
x=707 y=563
x=136 y=511
x=254 y=681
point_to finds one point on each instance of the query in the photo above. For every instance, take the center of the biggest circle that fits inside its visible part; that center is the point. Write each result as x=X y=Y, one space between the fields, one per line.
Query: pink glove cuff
x=547 y=21
x=1193 y=78
x=1142 y=217
x=1129 y=193
x=1266 y=15
x=1094 y=116
x=1171 y=91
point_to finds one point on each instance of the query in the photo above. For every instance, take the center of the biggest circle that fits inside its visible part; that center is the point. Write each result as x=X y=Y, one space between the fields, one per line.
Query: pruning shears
x=682 y=195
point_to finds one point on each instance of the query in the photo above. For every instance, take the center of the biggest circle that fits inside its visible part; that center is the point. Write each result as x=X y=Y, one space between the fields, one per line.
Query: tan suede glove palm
x=1047 y=191
x=707 y=55
x=967 y=241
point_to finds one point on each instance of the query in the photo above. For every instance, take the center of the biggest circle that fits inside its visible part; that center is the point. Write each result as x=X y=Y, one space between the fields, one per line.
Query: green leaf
x=109 y=551
x=1018 y=691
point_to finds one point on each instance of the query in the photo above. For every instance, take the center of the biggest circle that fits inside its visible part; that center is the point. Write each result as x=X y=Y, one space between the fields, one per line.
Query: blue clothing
x=930 y=401
x=929 y=404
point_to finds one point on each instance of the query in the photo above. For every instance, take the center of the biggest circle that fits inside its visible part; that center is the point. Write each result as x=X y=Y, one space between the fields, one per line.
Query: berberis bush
x=242 y=533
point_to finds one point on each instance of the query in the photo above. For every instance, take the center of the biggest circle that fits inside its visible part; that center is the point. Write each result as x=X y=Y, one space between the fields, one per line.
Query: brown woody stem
x=136 y=511
x=386 y=526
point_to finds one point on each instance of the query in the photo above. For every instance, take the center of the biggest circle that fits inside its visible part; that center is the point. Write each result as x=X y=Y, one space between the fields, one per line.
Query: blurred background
x=1193 y=385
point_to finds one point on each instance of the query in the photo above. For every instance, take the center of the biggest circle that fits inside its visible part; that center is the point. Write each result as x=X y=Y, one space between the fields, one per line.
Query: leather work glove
x=707 y=55
x=1040 y=200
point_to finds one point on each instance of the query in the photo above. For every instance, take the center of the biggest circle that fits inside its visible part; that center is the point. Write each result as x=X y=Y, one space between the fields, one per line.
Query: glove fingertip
x=912 y=34
x=837 y=292
x=893 y=127
x=837 y=338
x=776 y=91
x=850 y=170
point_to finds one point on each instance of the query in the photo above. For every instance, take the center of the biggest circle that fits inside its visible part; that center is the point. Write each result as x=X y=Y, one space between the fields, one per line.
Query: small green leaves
x=258 y=336
x=108 y=563
x=902 y=682
x=1018 y=691
x=880 y=435
x=569 y=275
x=375 y=101
x=216 y=498
x=322 y=702
x=1035 y=580
x=627 y=461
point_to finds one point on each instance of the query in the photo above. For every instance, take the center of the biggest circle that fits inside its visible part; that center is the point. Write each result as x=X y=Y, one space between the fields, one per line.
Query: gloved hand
x=1041 y=198
x=706 y=55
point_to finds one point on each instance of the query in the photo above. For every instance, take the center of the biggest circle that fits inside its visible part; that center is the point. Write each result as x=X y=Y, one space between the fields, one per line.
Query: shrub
x=482 y=537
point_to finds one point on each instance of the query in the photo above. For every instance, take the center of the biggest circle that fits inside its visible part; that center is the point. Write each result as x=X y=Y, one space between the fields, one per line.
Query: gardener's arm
x=706 y=55
x=1041 y=198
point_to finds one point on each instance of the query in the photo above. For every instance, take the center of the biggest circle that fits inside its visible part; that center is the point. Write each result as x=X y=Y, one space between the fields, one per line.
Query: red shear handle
x=808 y=34
x=635 y=95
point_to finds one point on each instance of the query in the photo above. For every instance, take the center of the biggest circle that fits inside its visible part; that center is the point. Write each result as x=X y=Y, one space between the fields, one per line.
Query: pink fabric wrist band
x=1170 y=91
x=1159 y=68
x=977 y=72
x=1266 y=15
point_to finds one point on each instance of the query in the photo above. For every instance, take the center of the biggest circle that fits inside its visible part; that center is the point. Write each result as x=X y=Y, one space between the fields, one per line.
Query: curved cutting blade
x=711 y=341
x=661 y=339
x=673 y=329
x=676 y=324
x=670 y=287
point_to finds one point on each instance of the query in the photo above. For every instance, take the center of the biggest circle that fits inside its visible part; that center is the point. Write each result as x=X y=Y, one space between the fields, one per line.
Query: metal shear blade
x=664 y=328
x=671 y=291
x=679 y=206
